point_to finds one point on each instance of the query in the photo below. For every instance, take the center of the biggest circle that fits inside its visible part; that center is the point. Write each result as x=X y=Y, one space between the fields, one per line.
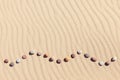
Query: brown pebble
x=11 y=64
x=24 y=57
x=66 y=59
x=38 y=54
x=6 y=61
x=86 y=55
x=93 y=59
x=58 y=61
x=51 y=59
x=107 y=63
x=72 y=55
x=45 y=55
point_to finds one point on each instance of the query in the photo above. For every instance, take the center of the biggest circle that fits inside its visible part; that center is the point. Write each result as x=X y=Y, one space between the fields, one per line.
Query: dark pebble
x=45 y=55
x=66 y=59
x=24 y=57
x=6 y=61
x=58 y=61
x=51 y=59
x=39 y=54
x=11 y=64
x=107 y=63
x=72 y=55
x=86 y=55
x=93 y=59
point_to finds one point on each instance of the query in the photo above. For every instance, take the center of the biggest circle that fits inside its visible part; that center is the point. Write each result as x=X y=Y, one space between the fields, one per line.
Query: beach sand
x=59 y=28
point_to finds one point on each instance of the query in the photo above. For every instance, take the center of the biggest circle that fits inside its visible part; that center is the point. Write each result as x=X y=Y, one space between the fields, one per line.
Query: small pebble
x=113 y=59
x=79 y=52
x=107 y=63
x=38 y=54
x=66 y=59
x=86 y=55
x=24 y=57
x=101 y=63
x=6 y=61
x=58 y=61
x=72 y=55
x=11 y=64
x=32 y=52
x=18 y=61
x=45 y=55
x=51 y=59
x=93 y=59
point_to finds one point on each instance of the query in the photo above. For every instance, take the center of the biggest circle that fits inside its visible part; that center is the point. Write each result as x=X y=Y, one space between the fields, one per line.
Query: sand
x=59 y=28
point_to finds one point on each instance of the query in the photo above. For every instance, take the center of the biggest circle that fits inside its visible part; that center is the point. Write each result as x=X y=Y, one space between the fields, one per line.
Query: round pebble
x=86 y=55
x=51 y=59
x=58 y=61
x=66 y=59
x=38 y=54
x=113 y=59
x=11 y=64
x=32 y=52
x=18 y=61
x=24 y=57
x=72 y=55
x=45 y=55
x=101 y=63
x=79 y=52
x=107 y=63
x=93 y=59
x=6 y=61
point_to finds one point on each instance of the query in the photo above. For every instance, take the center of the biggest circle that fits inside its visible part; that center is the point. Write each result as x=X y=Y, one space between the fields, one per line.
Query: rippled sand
x=59 y=28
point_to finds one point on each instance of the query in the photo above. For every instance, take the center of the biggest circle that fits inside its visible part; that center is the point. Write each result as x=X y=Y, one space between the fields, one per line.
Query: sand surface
x=59 y=28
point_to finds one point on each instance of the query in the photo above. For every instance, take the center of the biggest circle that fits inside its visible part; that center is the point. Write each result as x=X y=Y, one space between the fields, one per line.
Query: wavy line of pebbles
x=58 y=61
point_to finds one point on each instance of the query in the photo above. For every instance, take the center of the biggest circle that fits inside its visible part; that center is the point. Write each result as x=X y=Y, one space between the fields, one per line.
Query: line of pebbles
x=59 y=61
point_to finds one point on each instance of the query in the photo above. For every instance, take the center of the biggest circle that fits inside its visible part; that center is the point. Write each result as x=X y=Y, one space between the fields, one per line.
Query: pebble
x=107 y=63
x=86 y=55
x=113 y=59
x=11 y=64
x=32 y=52
x=18 y=61
x=66 y=59
x=51 y=59
x=101 y=63
x=72 y=55
x=6 y=61
x=24 y=57
x=93 y=59
x=79 y=52
x=39 y=54
x=58 y=61
x=45 y=55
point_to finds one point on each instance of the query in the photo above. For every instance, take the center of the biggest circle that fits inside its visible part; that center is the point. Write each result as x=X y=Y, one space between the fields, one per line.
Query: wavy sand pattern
x=59 y=28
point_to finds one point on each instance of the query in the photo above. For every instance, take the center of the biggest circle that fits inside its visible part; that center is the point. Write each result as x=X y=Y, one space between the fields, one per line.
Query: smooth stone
x=86 y=55
x=66 y=59
x=79 y=52
x=6 y=61
x=32 y=52
x=101 y=63
x=93 y=59
x=113 y=59
x=18 y=60
x=72 y=55
x=39 y=54
x=58 y=61
x=11 y=64
x=107 y=63
x=24 y=57
x=51 y=59
x=45 y=55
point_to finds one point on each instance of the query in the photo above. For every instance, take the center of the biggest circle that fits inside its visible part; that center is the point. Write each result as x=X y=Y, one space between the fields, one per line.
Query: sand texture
x=59 y=28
